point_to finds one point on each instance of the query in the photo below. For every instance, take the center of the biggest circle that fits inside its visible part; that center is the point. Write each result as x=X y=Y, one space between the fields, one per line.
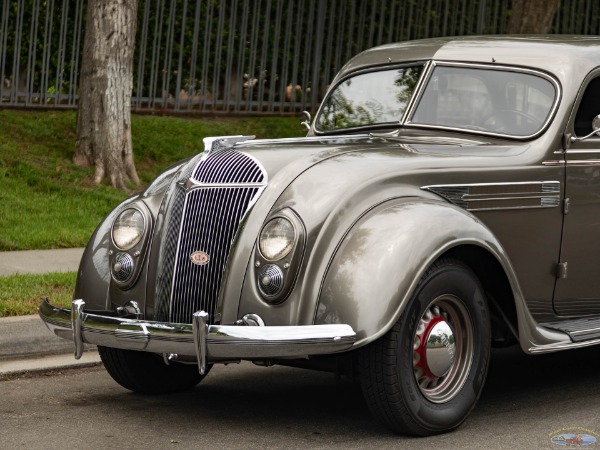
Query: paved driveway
x=526 y=401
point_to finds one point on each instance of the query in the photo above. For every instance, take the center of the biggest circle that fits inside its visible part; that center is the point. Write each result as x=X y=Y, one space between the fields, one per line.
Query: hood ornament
x=189 y=184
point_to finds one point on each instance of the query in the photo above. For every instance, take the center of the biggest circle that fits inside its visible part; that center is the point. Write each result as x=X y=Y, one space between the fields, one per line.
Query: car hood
x=286 y=159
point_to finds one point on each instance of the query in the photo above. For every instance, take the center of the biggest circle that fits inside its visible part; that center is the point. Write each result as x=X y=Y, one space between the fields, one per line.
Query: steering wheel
x=503 y=121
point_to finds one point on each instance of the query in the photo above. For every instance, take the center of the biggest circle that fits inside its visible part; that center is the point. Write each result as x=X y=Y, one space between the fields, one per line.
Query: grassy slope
x=21 y=294
x=47 y=202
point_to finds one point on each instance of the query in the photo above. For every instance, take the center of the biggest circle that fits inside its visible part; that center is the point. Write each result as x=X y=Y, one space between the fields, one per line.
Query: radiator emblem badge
x=200 y=258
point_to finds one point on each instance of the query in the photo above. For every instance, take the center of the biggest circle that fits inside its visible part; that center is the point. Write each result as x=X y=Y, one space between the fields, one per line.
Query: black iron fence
x=243 y=56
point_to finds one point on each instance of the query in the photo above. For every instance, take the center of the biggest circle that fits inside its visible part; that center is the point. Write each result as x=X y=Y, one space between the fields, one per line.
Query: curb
x=28 y=336
x=26 y=344
x=24 y=336
x=15 y=367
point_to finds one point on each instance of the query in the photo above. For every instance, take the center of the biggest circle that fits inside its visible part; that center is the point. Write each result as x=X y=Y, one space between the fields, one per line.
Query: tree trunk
x=532 y=16
x=104 y=105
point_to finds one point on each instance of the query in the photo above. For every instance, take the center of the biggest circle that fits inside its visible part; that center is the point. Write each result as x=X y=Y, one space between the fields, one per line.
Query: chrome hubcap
x=440 y=349
x=443 y=349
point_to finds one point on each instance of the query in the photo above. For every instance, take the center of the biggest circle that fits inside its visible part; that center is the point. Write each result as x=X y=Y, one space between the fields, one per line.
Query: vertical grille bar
x=167 y=257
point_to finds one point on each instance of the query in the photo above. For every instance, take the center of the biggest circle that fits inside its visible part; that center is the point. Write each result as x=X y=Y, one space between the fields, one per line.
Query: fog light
x=122 y=269
x=270 y=280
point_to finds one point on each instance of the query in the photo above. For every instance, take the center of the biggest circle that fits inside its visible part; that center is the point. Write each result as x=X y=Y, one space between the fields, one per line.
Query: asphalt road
x=526 y=401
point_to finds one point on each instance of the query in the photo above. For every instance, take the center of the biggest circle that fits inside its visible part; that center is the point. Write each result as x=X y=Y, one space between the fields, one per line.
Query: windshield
x=493 y=101
x=368 y=99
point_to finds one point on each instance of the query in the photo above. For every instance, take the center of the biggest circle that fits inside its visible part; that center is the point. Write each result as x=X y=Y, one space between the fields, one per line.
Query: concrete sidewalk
x=40 y=261
x=26 y=344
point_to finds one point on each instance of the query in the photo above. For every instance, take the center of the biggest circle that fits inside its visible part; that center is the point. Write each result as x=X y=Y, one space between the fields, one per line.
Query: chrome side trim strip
x=557 y=162
x=584 y=162
x=572 y=151
x=498 y=184
x=555 y=347
x=500 y=196
x=587 y=162
x=222 y=342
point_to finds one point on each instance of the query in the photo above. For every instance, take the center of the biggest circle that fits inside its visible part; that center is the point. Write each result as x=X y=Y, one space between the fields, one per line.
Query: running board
x=579 y=330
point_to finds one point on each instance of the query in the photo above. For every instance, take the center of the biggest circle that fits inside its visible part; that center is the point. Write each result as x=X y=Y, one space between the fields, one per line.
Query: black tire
x=416 y=387
x=146 y=373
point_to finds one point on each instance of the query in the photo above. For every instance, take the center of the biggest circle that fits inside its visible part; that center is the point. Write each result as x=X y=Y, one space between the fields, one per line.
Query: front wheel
x=426 y=374
x=146 y=373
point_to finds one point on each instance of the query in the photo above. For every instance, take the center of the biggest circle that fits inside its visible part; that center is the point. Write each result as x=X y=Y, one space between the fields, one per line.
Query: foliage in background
x=40 y=47
x=48 y=202
x=237 y=54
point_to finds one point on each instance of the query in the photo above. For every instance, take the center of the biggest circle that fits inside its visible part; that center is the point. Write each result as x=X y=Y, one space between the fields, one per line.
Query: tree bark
x=532 y=16
x=104 y=105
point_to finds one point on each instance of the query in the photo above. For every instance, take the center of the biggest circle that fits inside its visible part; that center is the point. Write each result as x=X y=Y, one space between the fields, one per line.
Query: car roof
x=567 y=57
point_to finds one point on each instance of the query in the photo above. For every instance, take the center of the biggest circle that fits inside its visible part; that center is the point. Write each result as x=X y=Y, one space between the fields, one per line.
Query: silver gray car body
x=373 y=206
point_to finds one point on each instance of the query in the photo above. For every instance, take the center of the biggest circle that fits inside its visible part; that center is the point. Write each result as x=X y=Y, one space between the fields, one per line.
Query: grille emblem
x=200 y=258
x=188 y=184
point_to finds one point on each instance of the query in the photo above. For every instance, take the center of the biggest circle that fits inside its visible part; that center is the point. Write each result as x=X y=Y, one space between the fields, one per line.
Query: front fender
x=380 y=261
x=93 y=276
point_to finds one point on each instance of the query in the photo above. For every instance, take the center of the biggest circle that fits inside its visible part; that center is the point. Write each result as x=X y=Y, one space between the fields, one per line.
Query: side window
x=502 y=101
x=588 y=108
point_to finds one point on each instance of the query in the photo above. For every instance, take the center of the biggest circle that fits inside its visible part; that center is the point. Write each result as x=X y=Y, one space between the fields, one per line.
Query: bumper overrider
x=209 y=343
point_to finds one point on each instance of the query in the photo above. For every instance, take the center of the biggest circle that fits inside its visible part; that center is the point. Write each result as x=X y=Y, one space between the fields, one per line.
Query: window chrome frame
x=426 y=67
x=481 y=66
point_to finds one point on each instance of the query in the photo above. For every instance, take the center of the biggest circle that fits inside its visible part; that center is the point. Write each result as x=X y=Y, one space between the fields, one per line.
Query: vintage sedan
x=446 y=199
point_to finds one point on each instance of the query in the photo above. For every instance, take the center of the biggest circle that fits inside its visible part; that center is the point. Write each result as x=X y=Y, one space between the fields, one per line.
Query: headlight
x=277 y=239
x=128 y=229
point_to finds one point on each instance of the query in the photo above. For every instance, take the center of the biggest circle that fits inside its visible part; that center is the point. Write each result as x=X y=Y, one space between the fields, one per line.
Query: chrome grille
x=218 y=169
x=168 y=253
x=204 y=215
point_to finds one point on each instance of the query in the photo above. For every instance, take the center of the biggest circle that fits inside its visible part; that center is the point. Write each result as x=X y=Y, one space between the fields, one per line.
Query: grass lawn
x=47 y=202
x=21 y=294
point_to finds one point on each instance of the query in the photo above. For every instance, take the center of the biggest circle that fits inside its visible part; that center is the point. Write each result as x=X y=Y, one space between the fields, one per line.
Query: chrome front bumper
x=209 y=343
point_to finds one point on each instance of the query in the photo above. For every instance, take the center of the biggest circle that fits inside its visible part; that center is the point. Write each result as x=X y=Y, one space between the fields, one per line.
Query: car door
x=577 y=290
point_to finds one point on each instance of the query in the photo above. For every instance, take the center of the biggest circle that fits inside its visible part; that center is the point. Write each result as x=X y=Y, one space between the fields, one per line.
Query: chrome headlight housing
x=280 y=248
x=128 y=228
x=277 y=239
x=129 y=238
